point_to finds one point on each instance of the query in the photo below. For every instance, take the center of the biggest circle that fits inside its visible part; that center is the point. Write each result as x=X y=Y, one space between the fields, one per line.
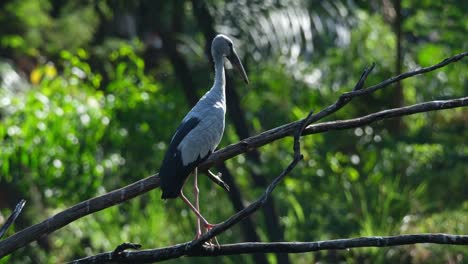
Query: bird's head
x=223 y=46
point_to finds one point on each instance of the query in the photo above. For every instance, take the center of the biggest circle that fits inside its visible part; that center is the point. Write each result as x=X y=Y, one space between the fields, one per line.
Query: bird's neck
x=220 y=77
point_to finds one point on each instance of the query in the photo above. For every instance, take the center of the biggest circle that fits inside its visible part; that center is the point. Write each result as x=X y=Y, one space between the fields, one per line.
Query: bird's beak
x=234 y=59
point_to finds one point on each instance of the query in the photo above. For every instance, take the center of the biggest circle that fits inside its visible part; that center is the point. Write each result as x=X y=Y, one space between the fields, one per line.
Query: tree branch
x=75 y=212
x=179 y=250
x=405 y=75
x=286 y=130
x=93 y=205
x=260 y=201
x=276 y=247
x=386 y=114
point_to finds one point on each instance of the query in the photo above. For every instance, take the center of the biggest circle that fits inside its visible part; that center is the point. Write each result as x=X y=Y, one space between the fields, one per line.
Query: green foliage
x=36 y=137
x=95 y=117
x=35 y=31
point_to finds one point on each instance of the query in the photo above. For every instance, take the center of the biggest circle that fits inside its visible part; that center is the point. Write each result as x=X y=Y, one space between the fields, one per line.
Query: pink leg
x=196 y=210
x=205 y=223
x=196 y=191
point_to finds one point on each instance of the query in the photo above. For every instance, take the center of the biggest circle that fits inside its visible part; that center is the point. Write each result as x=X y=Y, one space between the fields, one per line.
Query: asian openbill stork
x=200 y=132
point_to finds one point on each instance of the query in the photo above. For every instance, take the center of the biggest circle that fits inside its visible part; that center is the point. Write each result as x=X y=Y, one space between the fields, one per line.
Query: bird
x=200 y=132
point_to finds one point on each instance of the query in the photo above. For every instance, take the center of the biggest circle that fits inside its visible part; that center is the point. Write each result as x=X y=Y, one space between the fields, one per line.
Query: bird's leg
x=216 y=176
x=197 y=204
x=205 y=223
x=196 y=191
x=196 y=210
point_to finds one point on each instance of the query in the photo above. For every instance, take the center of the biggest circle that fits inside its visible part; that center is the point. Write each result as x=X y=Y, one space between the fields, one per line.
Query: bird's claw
x=210 y=243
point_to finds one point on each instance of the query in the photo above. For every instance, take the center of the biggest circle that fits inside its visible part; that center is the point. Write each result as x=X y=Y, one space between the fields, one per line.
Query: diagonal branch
x=90 y=206
x=160 y=254
x=260 y=201
x=183 y=249
x=75 y=212
x=386 y=114
x=405 y=75
x=287 y=130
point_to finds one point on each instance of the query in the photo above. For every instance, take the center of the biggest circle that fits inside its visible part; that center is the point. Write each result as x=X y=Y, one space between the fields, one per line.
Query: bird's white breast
x=207 y=134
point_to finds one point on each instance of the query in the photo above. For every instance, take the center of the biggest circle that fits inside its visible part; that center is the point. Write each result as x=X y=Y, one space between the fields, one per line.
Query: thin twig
x=405 y=75
x=217 y=179
x=386 y=114
x=152 y=255
x=13 y=216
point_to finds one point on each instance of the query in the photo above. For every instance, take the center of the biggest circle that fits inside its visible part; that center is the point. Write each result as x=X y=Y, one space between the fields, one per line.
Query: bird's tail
x=173 y=177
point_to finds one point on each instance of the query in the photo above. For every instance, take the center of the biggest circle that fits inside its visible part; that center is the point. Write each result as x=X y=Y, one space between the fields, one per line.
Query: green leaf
x=430 y=54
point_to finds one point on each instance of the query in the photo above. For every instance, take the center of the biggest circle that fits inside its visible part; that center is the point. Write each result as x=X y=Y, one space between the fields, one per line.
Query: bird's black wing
x=173 y=172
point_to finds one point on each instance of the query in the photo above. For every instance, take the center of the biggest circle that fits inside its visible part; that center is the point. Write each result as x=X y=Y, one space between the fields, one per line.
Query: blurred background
x=91 y=92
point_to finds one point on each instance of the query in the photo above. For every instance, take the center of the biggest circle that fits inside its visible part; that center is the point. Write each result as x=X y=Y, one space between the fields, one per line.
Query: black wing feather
x=173 y=172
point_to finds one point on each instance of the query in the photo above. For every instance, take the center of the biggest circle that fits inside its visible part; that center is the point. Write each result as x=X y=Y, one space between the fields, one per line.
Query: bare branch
x=260 y=201
x=291 y=127
x=405 y=75
x=385 y=114
x=75 y=212
x=13 y=216
x=217 y=179
x=276 y=247
x=288 y=129
x=90 y=206
x=179 y=250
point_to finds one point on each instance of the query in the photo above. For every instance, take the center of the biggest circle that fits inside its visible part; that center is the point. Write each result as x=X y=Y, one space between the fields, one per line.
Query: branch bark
x=90 y=206
x=160 y=254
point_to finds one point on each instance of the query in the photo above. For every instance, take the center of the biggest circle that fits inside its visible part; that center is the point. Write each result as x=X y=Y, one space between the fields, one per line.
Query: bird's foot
x=209 y=226
x=210 y=243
